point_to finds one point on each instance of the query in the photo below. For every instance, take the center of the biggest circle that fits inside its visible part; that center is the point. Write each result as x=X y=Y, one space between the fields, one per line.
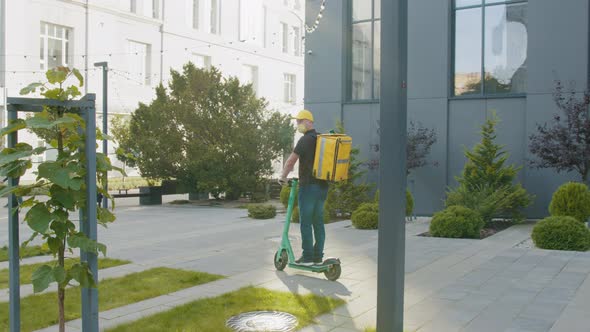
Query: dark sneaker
x=302 y=261
x=317 y=261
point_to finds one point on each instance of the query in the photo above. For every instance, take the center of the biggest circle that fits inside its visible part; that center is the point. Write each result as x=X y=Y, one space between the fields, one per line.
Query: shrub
x=456 y=222
x=366 y=216
x=571 y=199
x=561 y=233
x=489 y=201
x=409 y=201
x=285 y=192
x=261 y=211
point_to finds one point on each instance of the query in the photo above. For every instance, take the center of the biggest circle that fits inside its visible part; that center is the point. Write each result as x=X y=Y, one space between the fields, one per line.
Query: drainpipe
x=162 y=42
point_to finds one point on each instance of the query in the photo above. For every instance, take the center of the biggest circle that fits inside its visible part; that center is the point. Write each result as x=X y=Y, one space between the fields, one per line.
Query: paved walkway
x=451 y=285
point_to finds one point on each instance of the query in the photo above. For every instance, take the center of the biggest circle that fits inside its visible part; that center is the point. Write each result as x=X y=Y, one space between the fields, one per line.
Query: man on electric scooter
x=312 y=192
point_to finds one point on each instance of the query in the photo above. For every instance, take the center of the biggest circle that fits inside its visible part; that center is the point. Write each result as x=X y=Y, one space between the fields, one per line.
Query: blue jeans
x=311 y=218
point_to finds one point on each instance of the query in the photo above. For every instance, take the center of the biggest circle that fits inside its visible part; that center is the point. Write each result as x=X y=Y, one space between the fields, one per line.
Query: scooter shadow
x=297 y=282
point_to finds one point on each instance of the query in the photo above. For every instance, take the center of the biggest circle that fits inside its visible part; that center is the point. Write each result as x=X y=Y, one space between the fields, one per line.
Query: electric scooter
x=284 y=256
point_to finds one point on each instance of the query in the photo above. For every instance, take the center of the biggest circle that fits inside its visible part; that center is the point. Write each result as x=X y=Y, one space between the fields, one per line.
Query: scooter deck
x=311 y=268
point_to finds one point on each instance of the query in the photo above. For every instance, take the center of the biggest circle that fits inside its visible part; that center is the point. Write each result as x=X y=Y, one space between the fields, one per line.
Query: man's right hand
x=283 y=181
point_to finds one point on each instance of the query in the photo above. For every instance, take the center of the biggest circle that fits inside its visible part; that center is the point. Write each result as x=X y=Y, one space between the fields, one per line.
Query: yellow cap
x=304 y=115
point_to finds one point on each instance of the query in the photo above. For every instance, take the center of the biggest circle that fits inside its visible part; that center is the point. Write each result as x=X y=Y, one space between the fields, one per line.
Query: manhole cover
x=262 y=321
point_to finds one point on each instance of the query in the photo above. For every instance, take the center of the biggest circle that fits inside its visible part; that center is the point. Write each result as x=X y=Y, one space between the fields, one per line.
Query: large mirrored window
x=490 y=47
x=365 y=57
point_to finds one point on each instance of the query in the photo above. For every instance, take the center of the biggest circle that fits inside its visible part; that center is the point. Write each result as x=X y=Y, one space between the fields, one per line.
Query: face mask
x=301 y=128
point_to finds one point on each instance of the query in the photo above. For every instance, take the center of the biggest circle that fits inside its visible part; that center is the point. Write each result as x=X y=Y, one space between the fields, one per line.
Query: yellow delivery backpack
x=332 y=157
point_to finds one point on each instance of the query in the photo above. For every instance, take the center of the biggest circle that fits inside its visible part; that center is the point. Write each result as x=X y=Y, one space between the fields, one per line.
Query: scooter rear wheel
x=333 y=272
x=281 y=263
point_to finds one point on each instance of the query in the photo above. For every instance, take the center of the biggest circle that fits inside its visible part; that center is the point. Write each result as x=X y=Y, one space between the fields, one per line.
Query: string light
x=318 y=18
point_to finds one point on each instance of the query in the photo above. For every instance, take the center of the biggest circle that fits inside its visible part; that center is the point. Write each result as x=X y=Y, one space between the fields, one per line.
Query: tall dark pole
x=392 y=166
x=105 y=123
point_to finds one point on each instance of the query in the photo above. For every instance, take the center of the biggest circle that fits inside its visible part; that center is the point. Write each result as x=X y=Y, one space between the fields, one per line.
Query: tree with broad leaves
x=209 y=132
x=564 y=144
x=63 y=179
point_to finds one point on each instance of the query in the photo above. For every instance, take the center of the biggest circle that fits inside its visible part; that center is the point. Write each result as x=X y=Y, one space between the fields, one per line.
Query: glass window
x=133 y=6
x=156 y=9
x=361 y=61
x=285 y=37
x=195 y=11
x=490 y=52
x=296 y=42
x=506 y=49
x=468 y=51
x=140 y=62
x=467 y=3
x=361 y=10
x=54 y=46
x=202 y=61
x=289 y=88
x=215 y=17
x=250 y=76
x=365 y=61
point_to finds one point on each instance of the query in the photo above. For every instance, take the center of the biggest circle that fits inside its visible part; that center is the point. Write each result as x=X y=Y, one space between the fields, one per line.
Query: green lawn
x=39 y=311
x=210 y=314
x=29 y=251
x=26 y=271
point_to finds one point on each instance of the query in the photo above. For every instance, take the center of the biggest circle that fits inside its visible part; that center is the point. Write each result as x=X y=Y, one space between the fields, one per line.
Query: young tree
x=487 y=183
x=63 y=178
x=565 y=144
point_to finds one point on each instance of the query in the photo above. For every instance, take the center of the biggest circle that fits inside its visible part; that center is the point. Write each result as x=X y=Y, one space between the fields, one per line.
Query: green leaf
x=15 y=125
x=4 y=192
x=65 y=177
x=60 y=229
x=31 y=88
x=39 y=218
x=41 y=278
x=59 y=274
x=81 y=273
x=102 y=248
x=105 y=216
x=57 y=75
x=9 y=154
x=79 y=240
x=54 y=244
x=38 y=122
x=79 y=76
x=65 y=197
x=103 y=163
x=16 y=168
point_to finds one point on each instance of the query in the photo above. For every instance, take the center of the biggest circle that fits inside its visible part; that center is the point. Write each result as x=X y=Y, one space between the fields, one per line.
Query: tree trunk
x=61 y=293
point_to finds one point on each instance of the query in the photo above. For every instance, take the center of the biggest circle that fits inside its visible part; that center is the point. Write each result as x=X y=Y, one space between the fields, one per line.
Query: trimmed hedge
x=261 y=211
x=561 y=233
x=456 y=222
x=366 y=216
x=571 y=199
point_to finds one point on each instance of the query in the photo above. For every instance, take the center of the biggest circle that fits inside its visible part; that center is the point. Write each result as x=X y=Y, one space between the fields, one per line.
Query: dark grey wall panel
x=325 y=115
x=324 y=68
x=465 y=119
x=428 y=44
x=557 y=43
x=428 y=184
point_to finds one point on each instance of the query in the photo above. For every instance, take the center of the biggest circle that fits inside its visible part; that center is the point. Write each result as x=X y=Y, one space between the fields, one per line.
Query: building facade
x=467 y=60
x=259 y=41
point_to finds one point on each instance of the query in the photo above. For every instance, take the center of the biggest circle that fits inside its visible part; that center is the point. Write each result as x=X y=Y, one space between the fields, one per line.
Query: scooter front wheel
x=333 y=272
x=282 y=261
